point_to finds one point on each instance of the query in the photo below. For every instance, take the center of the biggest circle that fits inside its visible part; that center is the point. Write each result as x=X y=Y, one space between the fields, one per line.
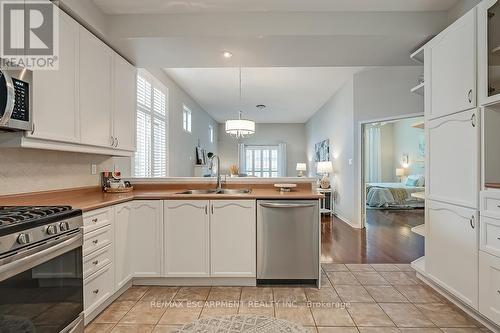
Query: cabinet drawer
x=490 y=235
x=97 y=239
x=97 y=260
x=97 y=218
x=489 y=286
x=490 y=203
x=97 y=288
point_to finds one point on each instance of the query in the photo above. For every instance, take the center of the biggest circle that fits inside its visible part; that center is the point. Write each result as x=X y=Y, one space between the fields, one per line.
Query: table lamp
x=400 y=172
x=301 y=167
x=324 y=168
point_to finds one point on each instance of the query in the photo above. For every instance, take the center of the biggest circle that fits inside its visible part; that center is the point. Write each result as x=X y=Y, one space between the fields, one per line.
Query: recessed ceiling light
x=227 y=54
x=261 y=107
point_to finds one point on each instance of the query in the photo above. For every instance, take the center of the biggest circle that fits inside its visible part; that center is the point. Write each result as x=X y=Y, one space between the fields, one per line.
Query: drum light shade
x=240 y=127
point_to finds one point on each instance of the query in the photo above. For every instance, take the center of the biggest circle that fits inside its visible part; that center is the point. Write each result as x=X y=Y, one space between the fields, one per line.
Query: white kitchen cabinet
x=95 y=90
x=451 y=249
x=187 y=237
x=489 y=286
x=124 y=104
x=145 y=244
x=453 y=68
x=55 y=97
x=453 y=162
x=232 y=238
x=138 y=240
x=123 y=264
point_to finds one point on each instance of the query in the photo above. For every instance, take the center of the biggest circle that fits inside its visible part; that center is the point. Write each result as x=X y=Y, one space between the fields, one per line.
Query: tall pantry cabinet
x=462 y=234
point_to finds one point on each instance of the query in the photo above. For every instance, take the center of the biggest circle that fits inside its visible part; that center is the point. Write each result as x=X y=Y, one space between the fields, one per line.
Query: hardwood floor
x=387 y=238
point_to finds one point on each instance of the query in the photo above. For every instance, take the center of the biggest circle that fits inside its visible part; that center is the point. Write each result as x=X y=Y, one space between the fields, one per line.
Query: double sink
x=220 y=191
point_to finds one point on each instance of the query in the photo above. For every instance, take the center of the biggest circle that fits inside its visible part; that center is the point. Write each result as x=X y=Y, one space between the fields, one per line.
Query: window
x=150 y=159
x=263 y=161
x=186 y=119
x=211 y=133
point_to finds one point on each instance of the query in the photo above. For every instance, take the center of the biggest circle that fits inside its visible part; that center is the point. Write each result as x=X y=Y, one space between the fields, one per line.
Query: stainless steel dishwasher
x=288 y=240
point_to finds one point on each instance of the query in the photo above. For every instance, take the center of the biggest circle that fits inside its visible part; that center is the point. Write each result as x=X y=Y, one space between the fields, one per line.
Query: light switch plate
x=94 y=169
x=350 y=161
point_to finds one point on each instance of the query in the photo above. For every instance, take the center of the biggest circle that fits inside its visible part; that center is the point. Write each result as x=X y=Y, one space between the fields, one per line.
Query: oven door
x=41 y=289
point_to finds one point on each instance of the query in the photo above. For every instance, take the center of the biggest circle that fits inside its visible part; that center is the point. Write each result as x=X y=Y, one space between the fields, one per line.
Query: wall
x=294 y=135
x=30 y=170
x=373 y=94
x=406 y=141
x=334 y=121
x=181 y=145
x=462 y=7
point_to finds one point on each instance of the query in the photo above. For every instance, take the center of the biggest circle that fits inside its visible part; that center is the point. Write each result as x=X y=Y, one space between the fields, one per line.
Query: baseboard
x=346 y=220
x=194 y=281
x=464 y=307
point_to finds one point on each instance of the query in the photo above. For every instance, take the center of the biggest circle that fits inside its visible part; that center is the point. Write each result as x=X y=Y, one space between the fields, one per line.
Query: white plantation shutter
x=151 y=155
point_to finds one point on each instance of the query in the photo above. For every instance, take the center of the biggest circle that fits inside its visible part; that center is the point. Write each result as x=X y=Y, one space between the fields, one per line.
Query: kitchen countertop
x=90 y=198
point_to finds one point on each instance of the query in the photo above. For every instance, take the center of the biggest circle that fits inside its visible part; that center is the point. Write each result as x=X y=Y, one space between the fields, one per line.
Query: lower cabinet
x=97 y=288
x=138 y=240
x=210 y=238
x=232 y=238
x=452 y=245
x=489 y=286
x=187 y=249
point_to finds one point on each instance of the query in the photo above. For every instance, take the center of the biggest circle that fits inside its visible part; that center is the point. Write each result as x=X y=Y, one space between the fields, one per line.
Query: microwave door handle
x=11 y=96
x=283 y=205
x=22 y=264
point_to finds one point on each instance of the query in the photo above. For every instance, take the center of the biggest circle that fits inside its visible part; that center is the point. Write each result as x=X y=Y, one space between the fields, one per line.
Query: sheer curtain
x=373 y=161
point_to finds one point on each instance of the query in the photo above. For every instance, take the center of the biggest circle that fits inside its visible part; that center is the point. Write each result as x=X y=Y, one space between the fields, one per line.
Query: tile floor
x=357 y=298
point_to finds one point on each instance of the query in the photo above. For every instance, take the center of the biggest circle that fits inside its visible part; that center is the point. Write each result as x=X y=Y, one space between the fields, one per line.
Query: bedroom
x=393 y=175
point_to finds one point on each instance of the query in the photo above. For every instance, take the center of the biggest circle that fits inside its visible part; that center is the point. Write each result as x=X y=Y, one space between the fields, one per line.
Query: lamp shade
x=324 y=167
x=400 y=172
x=240 y=127
x=301 y=167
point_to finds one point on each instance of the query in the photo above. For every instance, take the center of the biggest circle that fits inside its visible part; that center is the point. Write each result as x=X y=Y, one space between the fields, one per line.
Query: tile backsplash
x=31 y=170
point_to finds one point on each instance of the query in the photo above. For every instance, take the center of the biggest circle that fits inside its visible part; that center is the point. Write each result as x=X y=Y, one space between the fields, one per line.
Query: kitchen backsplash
x=30 y=170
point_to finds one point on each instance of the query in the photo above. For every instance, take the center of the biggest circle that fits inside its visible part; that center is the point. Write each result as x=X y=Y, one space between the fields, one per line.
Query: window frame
x=154 y=116
x=187 y=119
x=281 y=159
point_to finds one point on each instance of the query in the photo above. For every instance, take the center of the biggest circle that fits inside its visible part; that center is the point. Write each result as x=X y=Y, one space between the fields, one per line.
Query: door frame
x=361 y=157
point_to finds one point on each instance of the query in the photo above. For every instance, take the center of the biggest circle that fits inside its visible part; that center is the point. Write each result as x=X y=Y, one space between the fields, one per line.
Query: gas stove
x=25 y=225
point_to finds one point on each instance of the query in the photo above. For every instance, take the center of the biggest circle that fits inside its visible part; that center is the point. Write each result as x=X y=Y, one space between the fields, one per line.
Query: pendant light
x=240 y=128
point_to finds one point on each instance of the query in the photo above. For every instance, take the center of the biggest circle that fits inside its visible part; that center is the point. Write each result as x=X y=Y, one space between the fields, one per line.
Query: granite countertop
x=90 y=198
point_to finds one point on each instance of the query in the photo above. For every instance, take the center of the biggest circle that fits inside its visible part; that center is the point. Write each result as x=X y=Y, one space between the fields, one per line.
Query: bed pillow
x=418 y=179
x=411 y=182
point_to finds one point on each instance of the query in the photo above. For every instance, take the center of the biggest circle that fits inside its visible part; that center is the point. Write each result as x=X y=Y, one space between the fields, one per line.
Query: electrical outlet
x=94 y=169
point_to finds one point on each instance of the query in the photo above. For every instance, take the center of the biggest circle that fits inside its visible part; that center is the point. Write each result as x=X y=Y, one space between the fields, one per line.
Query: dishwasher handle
x=287 y=205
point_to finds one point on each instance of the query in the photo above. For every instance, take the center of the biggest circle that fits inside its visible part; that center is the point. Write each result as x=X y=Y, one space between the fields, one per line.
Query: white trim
x=213 y=180
x=360 y=195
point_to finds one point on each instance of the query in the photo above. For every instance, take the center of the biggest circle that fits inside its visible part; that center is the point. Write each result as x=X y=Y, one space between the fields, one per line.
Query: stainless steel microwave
x=16 y=87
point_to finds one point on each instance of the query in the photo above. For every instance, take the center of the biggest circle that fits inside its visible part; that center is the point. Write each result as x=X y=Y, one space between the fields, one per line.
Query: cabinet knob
x=96 y=291
x=473 y=120
x=94 y=220
x=473 y=222
x=95 y=262
x=470 y=96
x=95 y=241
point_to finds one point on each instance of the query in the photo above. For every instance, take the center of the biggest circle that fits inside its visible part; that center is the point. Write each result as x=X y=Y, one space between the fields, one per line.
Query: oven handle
x=52 y=250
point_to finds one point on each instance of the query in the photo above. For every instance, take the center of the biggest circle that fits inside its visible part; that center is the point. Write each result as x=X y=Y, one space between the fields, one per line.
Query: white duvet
x=379 y=195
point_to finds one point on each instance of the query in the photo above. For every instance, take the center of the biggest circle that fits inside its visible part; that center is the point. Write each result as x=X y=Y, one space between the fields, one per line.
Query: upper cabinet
x=489 y=51
x=124 y=104
x=55 y=98
x=452 y=68
x=95 y=90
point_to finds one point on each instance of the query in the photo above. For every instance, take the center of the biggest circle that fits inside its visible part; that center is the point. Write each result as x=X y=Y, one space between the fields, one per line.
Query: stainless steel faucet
x=212 y=156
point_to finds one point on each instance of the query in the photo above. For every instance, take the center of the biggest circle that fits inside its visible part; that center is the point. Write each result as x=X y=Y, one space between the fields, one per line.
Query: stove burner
x=25 y=214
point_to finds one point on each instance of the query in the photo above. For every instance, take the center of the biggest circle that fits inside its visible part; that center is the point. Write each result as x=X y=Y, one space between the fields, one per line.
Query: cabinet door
x=186 y=238
x=489 y=286
x=453 y=68
x=146 y=238
x=95 y=90
x=124 y=103
x=451 y=249
x=55 y=103
x=233 y=222
x=123 y=267
x=453 y=159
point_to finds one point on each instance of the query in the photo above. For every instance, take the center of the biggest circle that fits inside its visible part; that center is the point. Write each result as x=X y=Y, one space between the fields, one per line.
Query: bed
x=393 y=195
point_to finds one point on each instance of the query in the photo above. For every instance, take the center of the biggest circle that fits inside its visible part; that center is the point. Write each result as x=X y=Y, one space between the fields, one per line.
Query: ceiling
x=292 y=95
x=240 y=6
